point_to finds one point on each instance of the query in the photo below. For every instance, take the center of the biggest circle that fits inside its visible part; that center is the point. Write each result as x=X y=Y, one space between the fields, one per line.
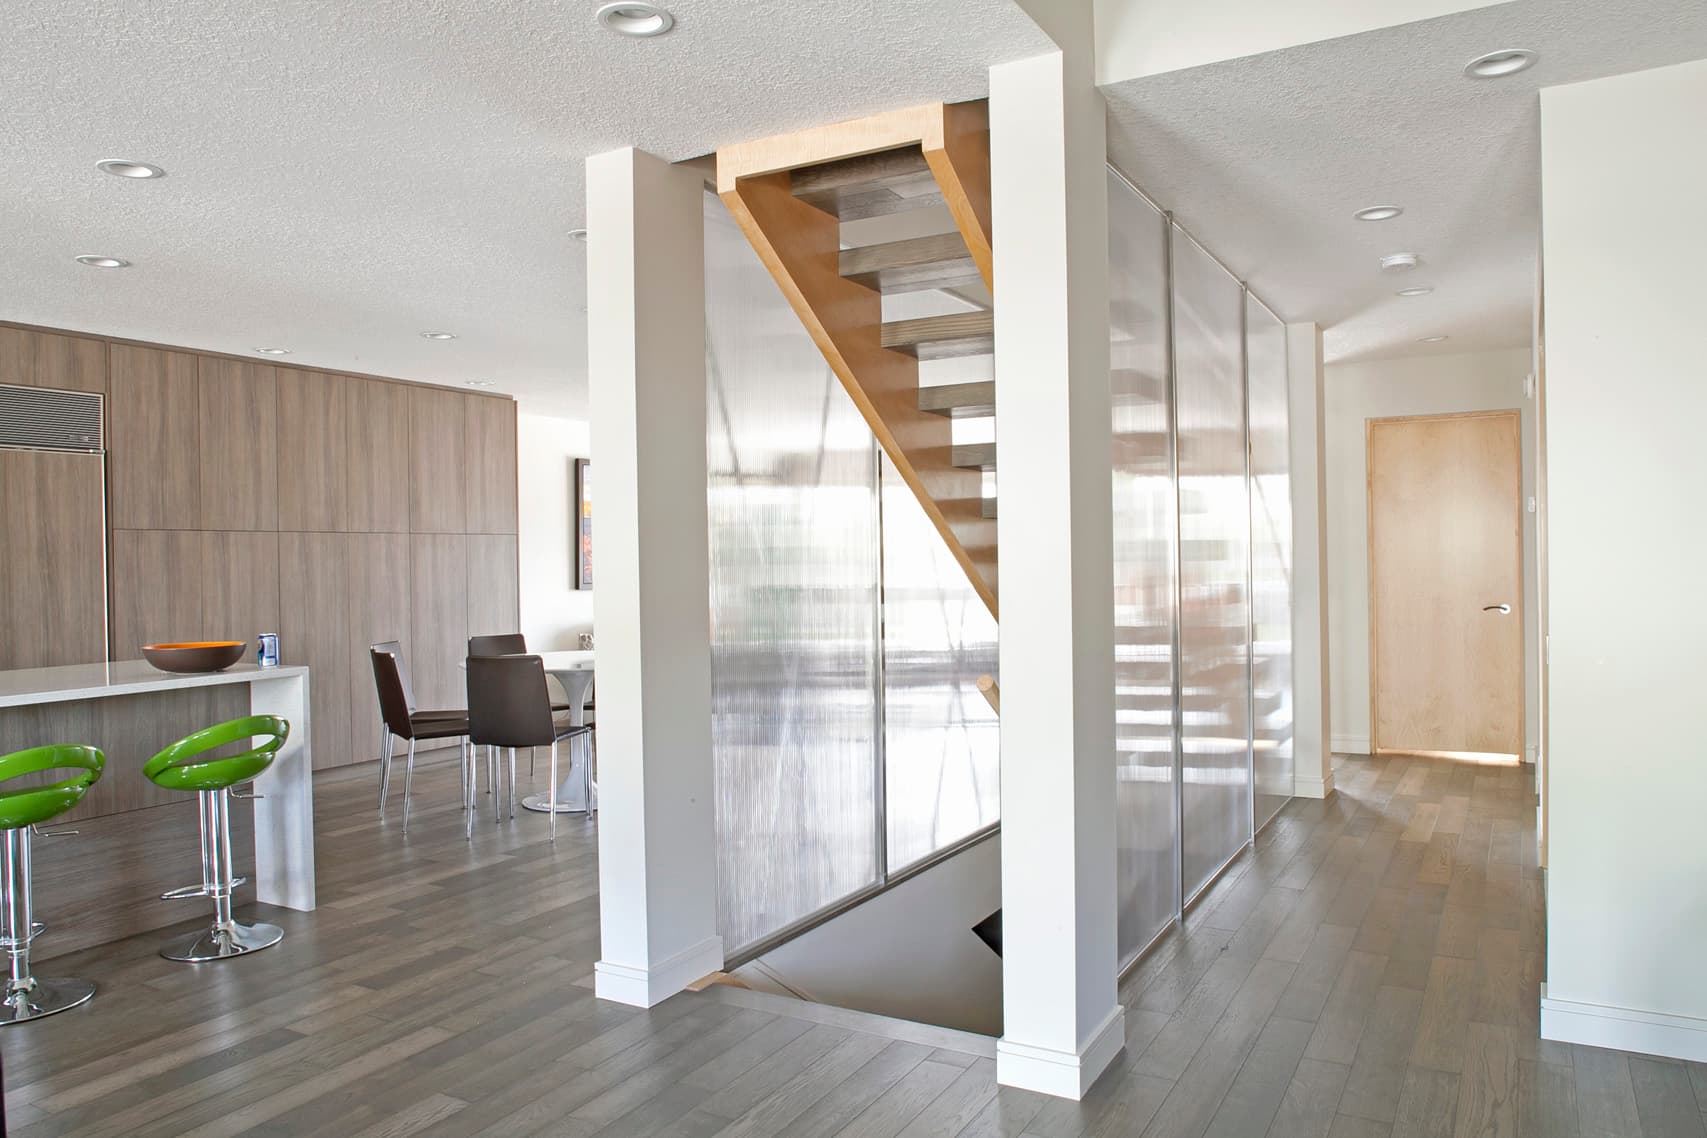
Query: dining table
x=573 y=668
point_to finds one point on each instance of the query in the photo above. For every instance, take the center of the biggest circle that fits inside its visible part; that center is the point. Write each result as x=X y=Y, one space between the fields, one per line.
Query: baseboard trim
x=1624 y=1029
x=643 y=987
x=1307 y=786
x=1064 y=1074
x=1350 y=744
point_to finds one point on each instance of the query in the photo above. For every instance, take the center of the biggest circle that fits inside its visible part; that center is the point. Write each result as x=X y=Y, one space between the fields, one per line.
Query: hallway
x=1371 y=969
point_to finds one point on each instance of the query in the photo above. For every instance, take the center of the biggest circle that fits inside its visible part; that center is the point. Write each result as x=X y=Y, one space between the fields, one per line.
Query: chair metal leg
x=385 y=746
x=512 y=784
x=494 y=772
x=26 y=997
x=227 y=936
x=586 y=741
x=408 y=784
x=468 y=792
x=551 y=795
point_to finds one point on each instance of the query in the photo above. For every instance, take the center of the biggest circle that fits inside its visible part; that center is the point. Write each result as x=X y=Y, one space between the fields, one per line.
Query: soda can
x=267 y=654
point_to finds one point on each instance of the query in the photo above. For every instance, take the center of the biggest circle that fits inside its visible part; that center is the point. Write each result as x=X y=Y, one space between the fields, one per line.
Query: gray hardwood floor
x=1370 y=968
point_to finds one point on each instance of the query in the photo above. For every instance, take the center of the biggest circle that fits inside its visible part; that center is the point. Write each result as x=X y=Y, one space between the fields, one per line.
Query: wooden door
x=1446 y=584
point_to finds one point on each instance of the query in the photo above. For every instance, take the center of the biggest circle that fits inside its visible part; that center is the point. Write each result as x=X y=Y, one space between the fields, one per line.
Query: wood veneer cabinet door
x=492 y=586
x=313 y=452
x=314 y=630
x=239 y=445
x=489 y=461
x=157 y=589
x=376 y=435
x=153 y=439
x=437 y=493
x=378 y=566
x=42 y=359
x=438 y=575
x=53 y=559
x=240 y=585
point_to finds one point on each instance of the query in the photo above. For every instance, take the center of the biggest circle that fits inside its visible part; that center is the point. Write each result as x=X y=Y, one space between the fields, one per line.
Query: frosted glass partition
x=1271 y=560
x=942 y=770
x=1214 y=532
x=794 y=568
x=1147 y=828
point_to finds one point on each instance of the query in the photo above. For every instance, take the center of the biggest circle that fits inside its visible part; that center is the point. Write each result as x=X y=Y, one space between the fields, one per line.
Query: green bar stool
x=187 y=765
x=22 y=808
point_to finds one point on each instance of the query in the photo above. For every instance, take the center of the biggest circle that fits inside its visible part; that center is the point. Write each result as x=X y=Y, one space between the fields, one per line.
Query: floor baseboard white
x=1064 y=1074
x=1306 y=786
x=1350 y=744
x=645 y=987
x=1624 y=1029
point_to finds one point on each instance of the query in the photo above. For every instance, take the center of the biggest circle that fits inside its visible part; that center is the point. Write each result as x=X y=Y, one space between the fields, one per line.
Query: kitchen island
x=136 y=839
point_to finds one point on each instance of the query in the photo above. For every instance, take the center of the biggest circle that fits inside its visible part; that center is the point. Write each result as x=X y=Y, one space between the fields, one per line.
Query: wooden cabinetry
x=43 y=359
x=437 y=486
x=377 y=435
x=314 y=630
x=153 y=439
x=53 y=562
x=492 y=585
x=379 y=598
x=489 y=464
x=156 y=590
x=238 y=455
x=313 y=451
x=438 y=598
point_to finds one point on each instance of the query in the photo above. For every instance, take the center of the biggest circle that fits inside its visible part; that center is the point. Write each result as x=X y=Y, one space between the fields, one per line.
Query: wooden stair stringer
x=800 y=246
x=958 y=153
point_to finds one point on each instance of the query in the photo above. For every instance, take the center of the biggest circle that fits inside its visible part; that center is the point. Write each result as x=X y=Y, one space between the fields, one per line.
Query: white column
x=646 y=368
x=284 y=812
x=1062 y=1022
x=1313 y=772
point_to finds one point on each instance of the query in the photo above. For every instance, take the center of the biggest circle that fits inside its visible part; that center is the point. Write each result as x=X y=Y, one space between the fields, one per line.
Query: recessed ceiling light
x=641 y=21
x=1420 y=290
x=1499 y=64
x=125 y=168
x=439 y=335
x=274 y=351
x=477 y=383
x=1396 y=261
x=577 y=234
x=1378 y=213
x=96 y=261
x=1431 y=339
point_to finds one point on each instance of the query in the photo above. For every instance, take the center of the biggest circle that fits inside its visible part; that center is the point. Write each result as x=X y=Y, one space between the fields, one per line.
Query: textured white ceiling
x=1265 y=159
x=343 y=176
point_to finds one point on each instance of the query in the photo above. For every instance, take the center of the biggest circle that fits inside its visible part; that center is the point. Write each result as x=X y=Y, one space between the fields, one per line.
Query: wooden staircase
x=791 y=195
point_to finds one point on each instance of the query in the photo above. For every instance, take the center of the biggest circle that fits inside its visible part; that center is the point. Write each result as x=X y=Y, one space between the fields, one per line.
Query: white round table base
x=540 y=803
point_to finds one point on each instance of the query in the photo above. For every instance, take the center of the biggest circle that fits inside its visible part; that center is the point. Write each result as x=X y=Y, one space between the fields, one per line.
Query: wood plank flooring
x=1369 y=968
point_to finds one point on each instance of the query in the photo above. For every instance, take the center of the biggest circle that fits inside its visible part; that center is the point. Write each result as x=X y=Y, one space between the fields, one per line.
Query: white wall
x=1147 y=37
x=1624 y=176
x=553 y=610
x=1417 y=385
x=909 y=953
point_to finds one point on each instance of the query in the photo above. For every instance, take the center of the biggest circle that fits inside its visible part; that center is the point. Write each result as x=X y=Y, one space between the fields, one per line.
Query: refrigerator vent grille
x=39 y=418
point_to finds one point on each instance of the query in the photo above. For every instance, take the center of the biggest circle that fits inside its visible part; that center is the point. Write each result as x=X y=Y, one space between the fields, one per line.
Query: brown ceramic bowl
x=197 y=656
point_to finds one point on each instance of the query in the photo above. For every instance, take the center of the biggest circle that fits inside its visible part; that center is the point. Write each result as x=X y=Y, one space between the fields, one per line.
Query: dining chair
x=400 y=720
x=509 y=706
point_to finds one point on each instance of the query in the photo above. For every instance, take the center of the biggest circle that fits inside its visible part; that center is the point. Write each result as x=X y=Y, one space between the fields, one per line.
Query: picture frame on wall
x=583 y=524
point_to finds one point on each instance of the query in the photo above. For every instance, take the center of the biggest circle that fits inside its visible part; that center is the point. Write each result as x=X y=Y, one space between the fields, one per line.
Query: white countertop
x=26 y=687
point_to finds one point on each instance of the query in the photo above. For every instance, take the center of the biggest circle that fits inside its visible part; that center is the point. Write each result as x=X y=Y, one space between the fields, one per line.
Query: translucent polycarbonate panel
x=1147 y=829
x=1214 y=526
x=792 y=498
x=1271 y=559
x=942 y=770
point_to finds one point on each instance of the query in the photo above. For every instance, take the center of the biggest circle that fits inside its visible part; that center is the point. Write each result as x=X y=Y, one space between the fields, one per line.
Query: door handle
x=1501 y=609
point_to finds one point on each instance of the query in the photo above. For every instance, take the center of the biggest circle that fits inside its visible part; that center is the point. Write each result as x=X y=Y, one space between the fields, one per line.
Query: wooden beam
x=958 y=152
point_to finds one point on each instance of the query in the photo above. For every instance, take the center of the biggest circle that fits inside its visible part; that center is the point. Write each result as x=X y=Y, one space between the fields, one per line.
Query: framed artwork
x=583 y=524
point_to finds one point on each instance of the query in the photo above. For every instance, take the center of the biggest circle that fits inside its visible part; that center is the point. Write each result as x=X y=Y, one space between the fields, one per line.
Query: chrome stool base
x=221 y=942
x=45 y=998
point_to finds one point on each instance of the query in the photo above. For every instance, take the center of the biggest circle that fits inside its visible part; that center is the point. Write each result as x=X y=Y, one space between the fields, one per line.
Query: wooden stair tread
x=974 y=456
x=981 y=507
x=960 y=400
x=869 y=185
x=937 y=261
x=942 y=337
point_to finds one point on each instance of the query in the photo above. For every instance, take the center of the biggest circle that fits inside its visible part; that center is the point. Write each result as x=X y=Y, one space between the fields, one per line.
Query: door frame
x=1522 y=608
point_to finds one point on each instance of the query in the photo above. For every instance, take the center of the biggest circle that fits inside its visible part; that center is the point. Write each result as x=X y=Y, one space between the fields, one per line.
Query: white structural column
x=1062 y=1020
x=1313 y=772
x=646 y=363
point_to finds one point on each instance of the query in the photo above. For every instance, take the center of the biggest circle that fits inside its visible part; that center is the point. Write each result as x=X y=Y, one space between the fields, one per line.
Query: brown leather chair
x=506 y=644
x=399 y=719
x=509 y=706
